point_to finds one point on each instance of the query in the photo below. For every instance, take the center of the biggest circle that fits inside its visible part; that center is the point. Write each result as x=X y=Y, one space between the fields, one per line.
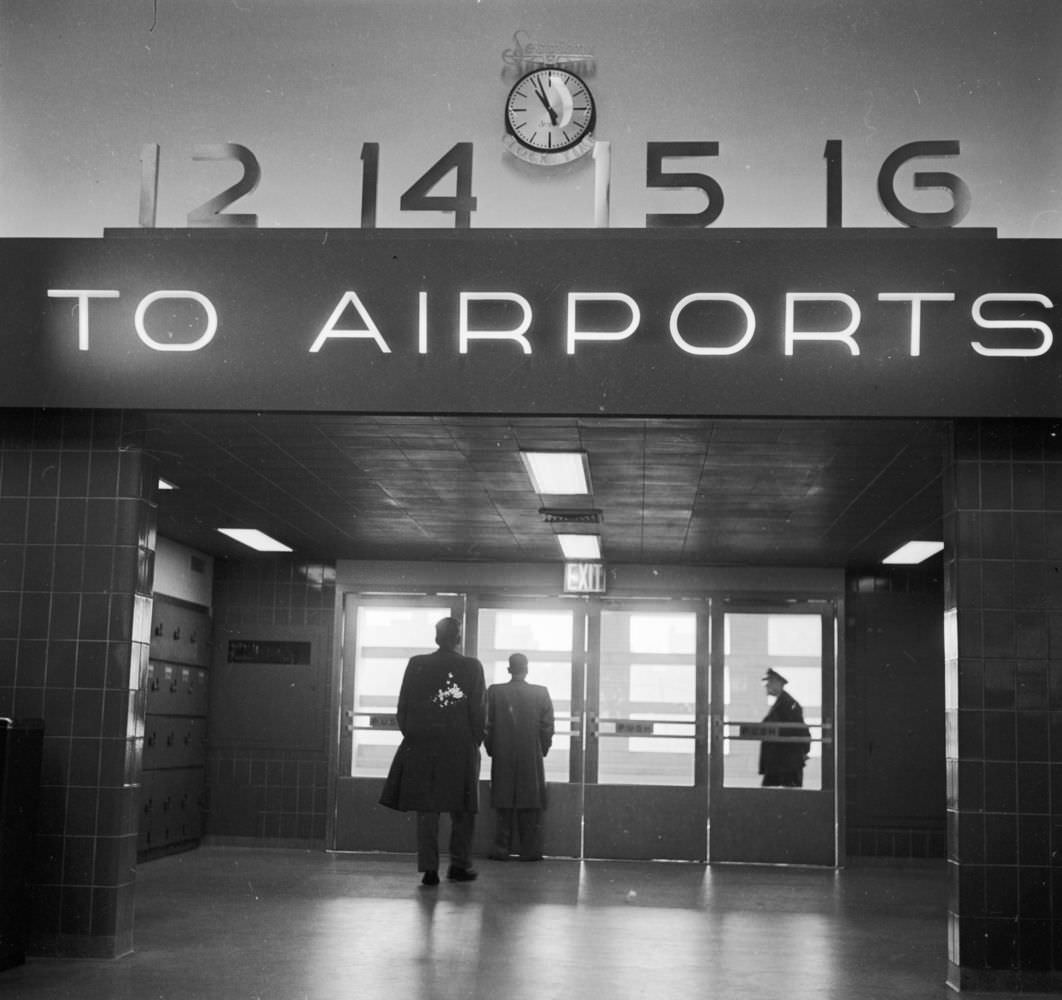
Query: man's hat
x=772 y=673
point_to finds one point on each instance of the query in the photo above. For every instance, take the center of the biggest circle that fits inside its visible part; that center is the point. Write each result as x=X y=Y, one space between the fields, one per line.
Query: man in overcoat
x=782 y=760
x=441 y=714
x=519 y=735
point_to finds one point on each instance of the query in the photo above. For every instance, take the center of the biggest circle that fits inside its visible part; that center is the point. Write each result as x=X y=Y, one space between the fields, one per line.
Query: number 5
x=655 y=152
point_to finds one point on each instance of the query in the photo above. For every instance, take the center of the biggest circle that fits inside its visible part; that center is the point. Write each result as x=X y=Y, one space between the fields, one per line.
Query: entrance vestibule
x=659 y=706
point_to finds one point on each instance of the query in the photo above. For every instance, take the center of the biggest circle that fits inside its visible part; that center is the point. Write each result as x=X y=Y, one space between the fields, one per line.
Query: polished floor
x=225 y=923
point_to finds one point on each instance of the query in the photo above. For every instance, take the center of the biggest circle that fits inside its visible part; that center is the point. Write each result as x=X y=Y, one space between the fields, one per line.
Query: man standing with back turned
x=436 y=767
x=519 y=735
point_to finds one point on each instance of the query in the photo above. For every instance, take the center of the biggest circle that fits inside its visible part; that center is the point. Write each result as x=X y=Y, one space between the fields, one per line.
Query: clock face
x=549 y=116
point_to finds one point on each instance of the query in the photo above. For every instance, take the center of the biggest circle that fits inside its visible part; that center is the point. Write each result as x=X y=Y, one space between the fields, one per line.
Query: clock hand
x=541 y=91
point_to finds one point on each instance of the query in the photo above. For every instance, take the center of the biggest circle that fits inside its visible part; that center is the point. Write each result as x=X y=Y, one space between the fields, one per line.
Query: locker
x=173 y=783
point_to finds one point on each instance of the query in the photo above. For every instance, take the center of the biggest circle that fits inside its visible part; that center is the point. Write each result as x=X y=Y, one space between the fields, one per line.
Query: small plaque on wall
x=269 y=651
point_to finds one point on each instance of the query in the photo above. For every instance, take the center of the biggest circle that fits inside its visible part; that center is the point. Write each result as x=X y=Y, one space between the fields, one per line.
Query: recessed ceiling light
x=165 y=484
x=255 y=539
x=580 y=546
x=913 y=553
x=558 y=472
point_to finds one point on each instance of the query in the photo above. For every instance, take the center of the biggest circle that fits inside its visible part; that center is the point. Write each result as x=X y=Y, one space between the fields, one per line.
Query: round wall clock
x=549 y=117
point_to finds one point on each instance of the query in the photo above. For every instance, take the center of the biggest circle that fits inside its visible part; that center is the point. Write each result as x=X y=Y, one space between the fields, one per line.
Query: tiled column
x=77 y=541
x=1003 y=651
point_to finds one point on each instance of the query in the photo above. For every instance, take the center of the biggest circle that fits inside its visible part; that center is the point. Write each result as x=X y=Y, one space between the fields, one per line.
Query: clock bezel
x=578 y=147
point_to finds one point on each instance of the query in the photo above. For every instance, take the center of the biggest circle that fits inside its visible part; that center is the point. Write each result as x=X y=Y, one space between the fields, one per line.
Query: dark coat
x=785 y=758
x=519 y=735
x=441 y=713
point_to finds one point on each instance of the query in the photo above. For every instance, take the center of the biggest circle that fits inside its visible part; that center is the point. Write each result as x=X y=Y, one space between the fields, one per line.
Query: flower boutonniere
x=449 y=694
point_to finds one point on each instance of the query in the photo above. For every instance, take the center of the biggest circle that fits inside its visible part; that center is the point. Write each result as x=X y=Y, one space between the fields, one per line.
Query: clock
x=549 y=117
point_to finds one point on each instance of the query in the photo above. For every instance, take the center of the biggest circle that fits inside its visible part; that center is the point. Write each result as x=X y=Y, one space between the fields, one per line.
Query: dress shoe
x=530 y=857
x=430 y=878
x=498 y=856
x=462 y=874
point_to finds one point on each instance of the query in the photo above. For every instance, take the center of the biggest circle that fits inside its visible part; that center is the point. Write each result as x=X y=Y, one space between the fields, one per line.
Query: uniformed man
x=782 y=759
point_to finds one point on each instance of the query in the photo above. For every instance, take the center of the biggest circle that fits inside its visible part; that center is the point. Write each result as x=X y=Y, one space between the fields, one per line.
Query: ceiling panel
x=685 y=491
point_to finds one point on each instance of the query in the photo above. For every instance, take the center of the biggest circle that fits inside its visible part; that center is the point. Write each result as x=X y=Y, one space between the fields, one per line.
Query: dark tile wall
x=1003 y=651
x=77 y=538
x=894 y=713
x=277 y=793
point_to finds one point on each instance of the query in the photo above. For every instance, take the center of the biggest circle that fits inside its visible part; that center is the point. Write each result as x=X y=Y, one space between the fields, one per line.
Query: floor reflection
x=226 y=923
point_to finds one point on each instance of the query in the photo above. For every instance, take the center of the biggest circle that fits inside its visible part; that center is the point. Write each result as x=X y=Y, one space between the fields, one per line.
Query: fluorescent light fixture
x=558 y=472
x=165 y=484
x=255 y=539
x=576 y=547
x=914 y=552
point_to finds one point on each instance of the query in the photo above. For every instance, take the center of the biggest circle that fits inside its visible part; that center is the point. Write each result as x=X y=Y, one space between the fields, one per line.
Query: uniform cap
x=772 y=673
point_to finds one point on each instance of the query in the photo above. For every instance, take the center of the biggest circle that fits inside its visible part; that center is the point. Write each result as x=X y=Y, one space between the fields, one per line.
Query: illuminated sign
x=584 y=578
x=832 y=323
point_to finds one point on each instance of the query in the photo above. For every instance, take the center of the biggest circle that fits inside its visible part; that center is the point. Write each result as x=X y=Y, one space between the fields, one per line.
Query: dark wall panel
x=894 y=741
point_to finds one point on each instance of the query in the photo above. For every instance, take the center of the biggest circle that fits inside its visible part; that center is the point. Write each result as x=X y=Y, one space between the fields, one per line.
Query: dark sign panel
x=714 y=322
x=269 y=651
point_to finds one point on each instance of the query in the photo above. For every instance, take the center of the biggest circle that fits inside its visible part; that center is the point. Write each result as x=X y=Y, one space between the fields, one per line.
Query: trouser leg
x=503 y=832
x=462 y=829
x=427 y=842
x=529 y=823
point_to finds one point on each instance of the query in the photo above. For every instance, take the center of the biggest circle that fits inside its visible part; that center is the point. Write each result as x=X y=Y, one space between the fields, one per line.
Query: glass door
x=552 y=636
x=646 y=789
x=380 y=634
x=663 y=722
x=773 y=796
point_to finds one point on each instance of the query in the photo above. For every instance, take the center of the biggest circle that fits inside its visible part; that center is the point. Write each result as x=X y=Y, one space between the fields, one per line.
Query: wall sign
x=561 y=132
x=943 y=323
x=584 y=578
x=269 y=651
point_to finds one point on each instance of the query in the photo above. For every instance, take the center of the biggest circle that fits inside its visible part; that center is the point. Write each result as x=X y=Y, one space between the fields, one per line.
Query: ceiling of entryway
x=668 y=491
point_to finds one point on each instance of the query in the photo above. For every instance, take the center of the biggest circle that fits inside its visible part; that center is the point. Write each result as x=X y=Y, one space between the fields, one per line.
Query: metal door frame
x=359 y=796
x=789 y=823
x=563 y=828
x=469 y=589
x=637 y=821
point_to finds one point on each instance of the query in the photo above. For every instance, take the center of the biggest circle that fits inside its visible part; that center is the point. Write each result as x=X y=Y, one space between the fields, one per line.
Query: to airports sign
x=917 y=323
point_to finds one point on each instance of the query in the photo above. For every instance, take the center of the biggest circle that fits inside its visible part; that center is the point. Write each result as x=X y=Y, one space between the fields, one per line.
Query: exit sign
x=584 y=578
